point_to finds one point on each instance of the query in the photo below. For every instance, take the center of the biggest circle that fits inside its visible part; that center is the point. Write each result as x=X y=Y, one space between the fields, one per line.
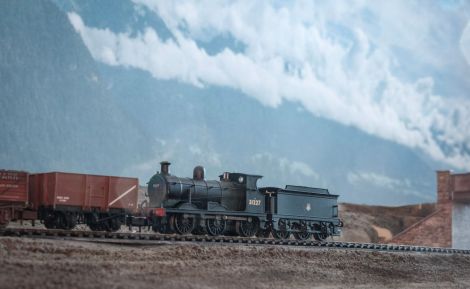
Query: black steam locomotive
x=234 y=205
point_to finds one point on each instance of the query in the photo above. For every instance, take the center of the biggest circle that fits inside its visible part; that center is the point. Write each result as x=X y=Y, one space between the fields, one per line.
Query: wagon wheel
x=5 y=219
x=61 y=221
x=49 y=221
x=56 y=220
x=97 y=226
x=93 y=226
x=113 y=225
x=215 y=227
x=155 y=225
x=183 y=225
x=302 y=236
x=281 y=232
x=70 y=221
x=247 y=228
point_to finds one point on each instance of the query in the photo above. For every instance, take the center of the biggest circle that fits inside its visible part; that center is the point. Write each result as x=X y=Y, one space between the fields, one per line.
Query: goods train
x=232 y=205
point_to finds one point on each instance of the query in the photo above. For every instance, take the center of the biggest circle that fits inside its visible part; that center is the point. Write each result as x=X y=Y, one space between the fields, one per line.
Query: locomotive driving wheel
x=281 y=232
x=247 y=228
x=183 y=225
x=215 y=227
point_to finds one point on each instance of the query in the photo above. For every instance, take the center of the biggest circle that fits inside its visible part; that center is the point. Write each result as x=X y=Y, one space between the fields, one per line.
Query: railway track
x=152 y=238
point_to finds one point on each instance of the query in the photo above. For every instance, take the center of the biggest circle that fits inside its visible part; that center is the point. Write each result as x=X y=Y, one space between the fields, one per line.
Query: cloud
x=377 y=180
x=285 y=165
x=404 y=186
x=339 y=61
x=210 y=156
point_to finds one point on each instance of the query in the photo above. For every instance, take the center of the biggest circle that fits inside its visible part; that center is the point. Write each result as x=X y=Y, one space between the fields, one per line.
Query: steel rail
x=153 y=238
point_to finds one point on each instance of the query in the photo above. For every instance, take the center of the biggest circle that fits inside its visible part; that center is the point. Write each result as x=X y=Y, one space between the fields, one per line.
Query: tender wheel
x=320 y=236
x=323 y=233
x=281 y=233
x=302 y=235
x=183 y=225
x=247 y=228
x=215 y=227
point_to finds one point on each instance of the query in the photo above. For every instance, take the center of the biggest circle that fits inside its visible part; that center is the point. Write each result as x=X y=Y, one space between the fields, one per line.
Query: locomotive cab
x=244 y=191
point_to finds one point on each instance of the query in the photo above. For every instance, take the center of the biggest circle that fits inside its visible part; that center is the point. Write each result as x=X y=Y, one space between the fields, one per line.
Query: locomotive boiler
x=228 y=194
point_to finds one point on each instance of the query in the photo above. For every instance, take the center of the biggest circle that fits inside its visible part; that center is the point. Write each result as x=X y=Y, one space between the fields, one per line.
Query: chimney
x=165 y=168
x=443 y=187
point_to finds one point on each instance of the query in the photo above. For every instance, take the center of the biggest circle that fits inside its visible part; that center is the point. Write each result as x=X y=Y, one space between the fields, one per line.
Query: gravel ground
x=42 y=263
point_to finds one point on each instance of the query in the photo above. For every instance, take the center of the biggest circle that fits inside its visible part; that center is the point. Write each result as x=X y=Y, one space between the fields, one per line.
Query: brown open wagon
x=13 y=196
x=65 y=199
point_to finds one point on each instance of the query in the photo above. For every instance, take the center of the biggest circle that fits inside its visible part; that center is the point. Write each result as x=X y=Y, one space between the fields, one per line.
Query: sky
x=397 y=70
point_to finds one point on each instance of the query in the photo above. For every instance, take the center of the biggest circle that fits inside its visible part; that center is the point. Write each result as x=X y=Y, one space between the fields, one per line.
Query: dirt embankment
x=363 y=223
x=27 y=263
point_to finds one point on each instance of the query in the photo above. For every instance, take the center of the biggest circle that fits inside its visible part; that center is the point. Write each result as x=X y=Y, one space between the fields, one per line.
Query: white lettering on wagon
x=9 y=176
x=63 y=199
x=9 y=186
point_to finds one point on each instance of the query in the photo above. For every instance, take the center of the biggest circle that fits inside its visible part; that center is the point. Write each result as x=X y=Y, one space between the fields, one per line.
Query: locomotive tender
x=234 y=205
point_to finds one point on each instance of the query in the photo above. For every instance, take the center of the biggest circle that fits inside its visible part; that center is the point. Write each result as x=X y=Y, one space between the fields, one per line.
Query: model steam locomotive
x=233 y=205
